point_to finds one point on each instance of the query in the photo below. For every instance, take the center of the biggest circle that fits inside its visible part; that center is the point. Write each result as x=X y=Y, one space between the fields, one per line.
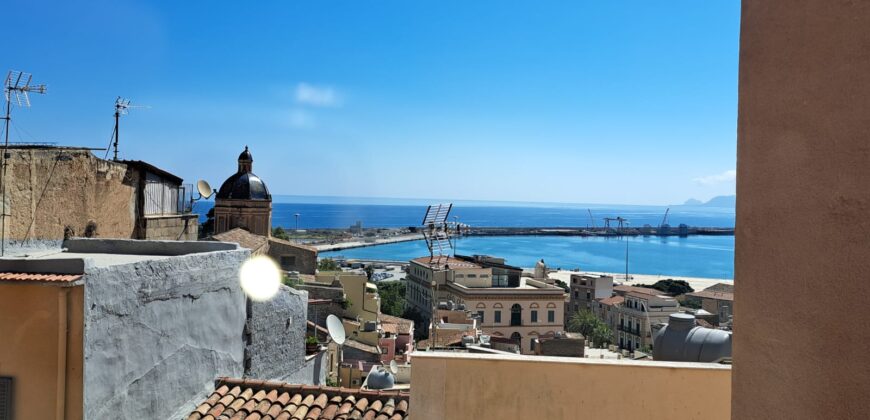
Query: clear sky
x=629 y=102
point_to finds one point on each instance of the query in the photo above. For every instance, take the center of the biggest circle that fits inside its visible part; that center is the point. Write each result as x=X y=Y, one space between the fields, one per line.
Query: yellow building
x=508 y=304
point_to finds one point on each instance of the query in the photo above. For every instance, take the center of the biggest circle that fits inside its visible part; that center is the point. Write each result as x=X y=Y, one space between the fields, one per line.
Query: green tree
x=583 y=322
x=327 y=264
x=671 y=287
x=421 y=328
x=392 y=295
x=563 y=285
x=280 y=233
x=207 y=227
x=601 y=335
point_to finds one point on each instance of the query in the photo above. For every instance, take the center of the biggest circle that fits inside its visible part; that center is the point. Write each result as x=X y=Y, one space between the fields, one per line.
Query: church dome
x=244 y=185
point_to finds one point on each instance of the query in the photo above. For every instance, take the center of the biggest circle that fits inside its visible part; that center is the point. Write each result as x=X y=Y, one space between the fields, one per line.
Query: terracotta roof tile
x=706 y=294
x=440 y=263
x=39 y=277
x=256 y=243
x=282 y=401
x=395 y=324
x=613 y=300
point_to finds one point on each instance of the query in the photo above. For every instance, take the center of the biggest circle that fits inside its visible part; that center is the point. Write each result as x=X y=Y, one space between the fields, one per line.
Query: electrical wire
x=109 y=147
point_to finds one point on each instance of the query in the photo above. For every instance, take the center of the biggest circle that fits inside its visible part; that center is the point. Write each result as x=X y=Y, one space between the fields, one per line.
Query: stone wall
x=158 y=332
x=566 y=347
x=182 y=227
x=318 y=313
x=52 y=188
x=275 y=335
x=304 y=259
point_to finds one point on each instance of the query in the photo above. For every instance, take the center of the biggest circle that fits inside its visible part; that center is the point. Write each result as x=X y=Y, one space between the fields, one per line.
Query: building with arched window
x=507 y=302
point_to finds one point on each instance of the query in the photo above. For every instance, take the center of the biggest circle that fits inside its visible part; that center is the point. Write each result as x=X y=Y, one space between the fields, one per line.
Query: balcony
x=445 y=385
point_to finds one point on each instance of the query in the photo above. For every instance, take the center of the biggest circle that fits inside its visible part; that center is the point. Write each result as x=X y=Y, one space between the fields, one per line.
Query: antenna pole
x=3 y=179
x=115 y=145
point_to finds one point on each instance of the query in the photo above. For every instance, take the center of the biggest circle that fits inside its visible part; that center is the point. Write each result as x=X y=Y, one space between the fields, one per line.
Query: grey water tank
x=380 y=379
x=682 y=341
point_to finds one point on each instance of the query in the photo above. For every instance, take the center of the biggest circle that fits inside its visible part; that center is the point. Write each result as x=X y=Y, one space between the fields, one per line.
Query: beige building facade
x=507 y=304
x=640 y=311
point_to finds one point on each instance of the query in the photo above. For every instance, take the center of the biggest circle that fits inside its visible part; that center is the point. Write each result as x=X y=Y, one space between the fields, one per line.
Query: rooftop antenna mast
x=436 y=230
x=122 y=107
x=16 y=88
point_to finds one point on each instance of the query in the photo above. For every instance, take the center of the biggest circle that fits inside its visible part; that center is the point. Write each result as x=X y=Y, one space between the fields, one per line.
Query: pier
x=665 y=230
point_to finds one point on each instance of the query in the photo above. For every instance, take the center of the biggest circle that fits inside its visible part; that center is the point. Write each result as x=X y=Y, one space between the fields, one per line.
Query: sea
x=694 y=256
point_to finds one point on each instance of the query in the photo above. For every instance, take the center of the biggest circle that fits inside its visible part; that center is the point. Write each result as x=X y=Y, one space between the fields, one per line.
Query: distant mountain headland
x=718 y=201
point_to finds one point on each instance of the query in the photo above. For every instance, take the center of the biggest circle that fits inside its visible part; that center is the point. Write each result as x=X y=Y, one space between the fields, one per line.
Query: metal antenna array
x=16 y=88
x=436 y=230
x=121 y=108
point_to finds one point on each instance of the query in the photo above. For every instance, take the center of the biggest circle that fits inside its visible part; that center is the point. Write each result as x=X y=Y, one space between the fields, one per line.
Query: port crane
x=665 y=219
x=620 y=223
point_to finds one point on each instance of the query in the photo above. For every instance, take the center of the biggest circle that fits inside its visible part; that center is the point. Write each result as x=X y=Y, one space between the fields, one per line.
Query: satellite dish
x=336 y=329
x=204 y=189
x=394 y=367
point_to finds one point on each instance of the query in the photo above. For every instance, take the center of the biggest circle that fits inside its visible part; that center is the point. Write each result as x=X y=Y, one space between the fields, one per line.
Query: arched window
x=516 y=314
x=481 y=305
x=516 y=336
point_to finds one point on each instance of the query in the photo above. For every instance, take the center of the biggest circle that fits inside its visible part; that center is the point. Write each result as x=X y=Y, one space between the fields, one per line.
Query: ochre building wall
x=803 y=211
x=475 y=386
x=41 y=330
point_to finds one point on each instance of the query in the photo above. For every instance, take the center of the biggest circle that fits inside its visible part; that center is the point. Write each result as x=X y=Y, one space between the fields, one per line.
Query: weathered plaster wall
x=312 y=372
x=275 y=335
x=803 y=211
x=43 y=181
x=157 y=333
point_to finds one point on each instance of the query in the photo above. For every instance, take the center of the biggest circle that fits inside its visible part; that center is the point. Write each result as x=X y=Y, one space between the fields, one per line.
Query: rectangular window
x=472 y=276
x=551 y=316
x=499 y=280
x=534 y=316
x=588 y=295
x=576 y=294
x=480 y=315
x=288 y=262
x=498 y=317
x=484 y=276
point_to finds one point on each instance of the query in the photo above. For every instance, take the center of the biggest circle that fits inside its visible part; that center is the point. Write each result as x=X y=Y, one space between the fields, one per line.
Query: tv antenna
x=337 y=334
x=16 y=88
x=122 y=107
x=436 y=230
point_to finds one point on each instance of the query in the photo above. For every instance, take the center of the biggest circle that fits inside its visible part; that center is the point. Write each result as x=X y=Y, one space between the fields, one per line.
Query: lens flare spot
x=260 y=278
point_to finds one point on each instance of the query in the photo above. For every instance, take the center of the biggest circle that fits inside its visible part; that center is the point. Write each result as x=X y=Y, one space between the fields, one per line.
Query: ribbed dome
x=244 y=185
x=246 y=155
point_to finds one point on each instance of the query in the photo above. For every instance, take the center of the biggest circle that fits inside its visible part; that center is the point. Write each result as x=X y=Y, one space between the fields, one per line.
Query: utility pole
x=296 y=231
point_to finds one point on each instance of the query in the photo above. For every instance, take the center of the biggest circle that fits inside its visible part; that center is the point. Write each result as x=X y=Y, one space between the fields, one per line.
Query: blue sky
x=629 y=102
